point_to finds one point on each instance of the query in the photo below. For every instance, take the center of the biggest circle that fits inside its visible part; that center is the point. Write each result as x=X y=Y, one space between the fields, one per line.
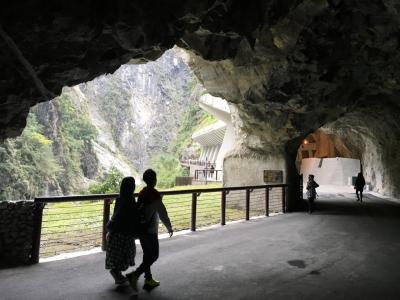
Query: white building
x=215 y=140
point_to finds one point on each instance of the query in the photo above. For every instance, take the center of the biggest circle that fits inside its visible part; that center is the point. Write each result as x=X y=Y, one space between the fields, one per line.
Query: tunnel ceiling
x=290 y=66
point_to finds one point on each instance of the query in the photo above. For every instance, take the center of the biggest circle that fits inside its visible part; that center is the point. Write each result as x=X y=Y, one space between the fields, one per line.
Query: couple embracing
x=135 y=220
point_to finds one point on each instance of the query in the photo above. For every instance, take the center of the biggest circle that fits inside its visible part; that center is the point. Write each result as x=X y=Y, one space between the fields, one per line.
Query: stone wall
x=16 y=229
x=247 y=171
x=242 y=171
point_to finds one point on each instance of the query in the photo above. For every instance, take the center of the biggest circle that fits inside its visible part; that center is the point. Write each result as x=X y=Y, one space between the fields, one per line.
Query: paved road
x=346 y=250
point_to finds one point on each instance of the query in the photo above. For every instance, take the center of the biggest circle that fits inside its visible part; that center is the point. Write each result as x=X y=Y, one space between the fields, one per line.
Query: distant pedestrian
x=311 y=193
x=359 y=186
x=151 y=210
x=212 y=169
x=121 y=248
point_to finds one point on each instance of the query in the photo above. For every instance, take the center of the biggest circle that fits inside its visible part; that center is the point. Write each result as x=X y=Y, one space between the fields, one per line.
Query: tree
x=167 y=167
x=110 y=183
x=27 y=164
x=76 y=133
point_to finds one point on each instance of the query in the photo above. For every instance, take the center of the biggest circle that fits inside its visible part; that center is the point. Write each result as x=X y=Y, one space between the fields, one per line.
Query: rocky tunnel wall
x=373 y=135
x=327 y=64
x=289 y=67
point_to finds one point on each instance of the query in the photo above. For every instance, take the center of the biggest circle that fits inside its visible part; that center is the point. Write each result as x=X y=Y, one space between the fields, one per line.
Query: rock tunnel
x=287 y=67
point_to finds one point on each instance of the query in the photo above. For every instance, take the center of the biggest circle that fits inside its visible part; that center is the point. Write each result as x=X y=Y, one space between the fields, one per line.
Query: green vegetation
x=110 y=183
x=195 y=187
x=207 y=119
x=74 y=123
x=27 y=164
x=31 y=164
x=195 y=118
x=167 y=167
x=75 y=132
x=71 y=226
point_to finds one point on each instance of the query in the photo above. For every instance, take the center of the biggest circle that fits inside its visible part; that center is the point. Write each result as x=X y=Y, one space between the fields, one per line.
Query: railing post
x=284 y=199
x=194 y=207
x=247 y=204
x=37 y=232
x=223 y=207
x=267 y=202
x=106 y=218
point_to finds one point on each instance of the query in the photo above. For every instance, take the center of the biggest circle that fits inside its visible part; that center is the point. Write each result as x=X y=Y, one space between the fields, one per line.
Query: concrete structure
x=216 y=139
x=210 y=138
x=330 y=171
x=345 y=250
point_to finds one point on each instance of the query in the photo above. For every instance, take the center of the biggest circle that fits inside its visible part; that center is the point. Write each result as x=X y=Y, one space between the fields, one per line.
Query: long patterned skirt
x=121 y=251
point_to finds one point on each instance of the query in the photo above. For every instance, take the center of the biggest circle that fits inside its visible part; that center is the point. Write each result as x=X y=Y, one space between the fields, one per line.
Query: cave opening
x=287 y=67
x=276 y=69
x=327 y=156
x=141 y=116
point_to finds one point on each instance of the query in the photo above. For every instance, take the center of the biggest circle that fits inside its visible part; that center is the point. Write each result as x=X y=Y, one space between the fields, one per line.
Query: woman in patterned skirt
x=121 y=248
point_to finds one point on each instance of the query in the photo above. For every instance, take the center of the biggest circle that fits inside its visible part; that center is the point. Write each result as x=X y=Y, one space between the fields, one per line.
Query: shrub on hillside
x=110 y=183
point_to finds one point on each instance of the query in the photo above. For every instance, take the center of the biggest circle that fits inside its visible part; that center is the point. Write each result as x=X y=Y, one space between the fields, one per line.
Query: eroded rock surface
x=289 y=66
x=320 y=62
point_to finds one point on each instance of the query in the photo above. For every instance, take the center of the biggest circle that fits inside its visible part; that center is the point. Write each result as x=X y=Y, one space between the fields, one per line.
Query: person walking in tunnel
x=121 y=248
x=151 y=210
x=359 y=186
x=311 y=193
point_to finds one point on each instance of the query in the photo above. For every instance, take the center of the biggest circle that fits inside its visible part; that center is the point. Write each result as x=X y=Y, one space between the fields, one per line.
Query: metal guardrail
x=196 y=162
x=75 y=223
x=208 y=175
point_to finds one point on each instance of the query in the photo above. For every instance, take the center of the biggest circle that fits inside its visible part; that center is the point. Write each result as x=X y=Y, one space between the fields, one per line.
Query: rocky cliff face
x=289 y=66
x=119 y=120
x=138 y=109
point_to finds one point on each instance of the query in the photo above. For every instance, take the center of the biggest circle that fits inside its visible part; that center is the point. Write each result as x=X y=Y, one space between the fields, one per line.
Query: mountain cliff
x=117 y=121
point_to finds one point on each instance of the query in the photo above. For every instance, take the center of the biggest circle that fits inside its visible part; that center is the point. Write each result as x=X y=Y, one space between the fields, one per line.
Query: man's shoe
x=133 y=279
x=151 y=283
x=118 y=277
